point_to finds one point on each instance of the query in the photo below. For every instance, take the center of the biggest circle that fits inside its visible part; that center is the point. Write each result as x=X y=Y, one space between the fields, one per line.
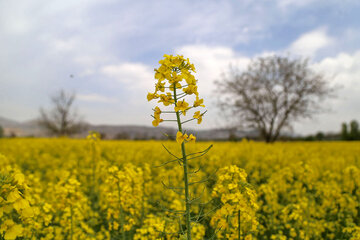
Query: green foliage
x=353 y=134
x=354 y=130
x=320 y=136
x=344 y=131
x=1 y=132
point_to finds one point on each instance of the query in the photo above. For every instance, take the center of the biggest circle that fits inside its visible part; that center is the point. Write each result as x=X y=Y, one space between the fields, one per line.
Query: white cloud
x=308 y=44
x=133 y=75
x=285 y=4
x=13 y=18
x=210 y=62
x=93 y=97
x=61 y=45
x=343 y=71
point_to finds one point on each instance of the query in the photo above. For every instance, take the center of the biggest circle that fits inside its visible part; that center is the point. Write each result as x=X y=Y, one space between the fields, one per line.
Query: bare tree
x=272 y=93
x=62 y=119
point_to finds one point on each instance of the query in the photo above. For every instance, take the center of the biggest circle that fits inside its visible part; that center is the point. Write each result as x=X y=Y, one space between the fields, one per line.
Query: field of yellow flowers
x=92 y=189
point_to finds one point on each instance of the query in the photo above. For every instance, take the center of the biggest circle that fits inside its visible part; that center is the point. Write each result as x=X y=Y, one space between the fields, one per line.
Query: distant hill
x=134 y=132
x=143 y=132
x=5 y=122
x=28 y=128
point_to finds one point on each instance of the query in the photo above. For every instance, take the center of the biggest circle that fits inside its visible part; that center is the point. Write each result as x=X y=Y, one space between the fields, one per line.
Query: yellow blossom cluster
x=236 y=216
x=198 y=231
x=68 y=189
x=156 y=227
x=15 y=209
x=180 y=138
x=124 y=200
x=69 y=208
x=175 y=81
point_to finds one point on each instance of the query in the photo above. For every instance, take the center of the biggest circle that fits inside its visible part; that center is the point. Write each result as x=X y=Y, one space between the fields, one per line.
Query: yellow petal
x=191 y=138
x=13 y=232
x=179 y=137
x=155 y=123
x=19 y=178
x=27 y=212
x=13 y=196
x=21 y=204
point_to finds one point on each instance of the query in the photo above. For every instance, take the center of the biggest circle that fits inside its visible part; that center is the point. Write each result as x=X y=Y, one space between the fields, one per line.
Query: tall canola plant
x=175 y=83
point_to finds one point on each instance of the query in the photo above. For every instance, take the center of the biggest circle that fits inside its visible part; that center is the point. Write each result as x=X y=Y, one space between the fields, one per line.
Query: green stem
x=121 y=215
x=186 y=179
x=239 y=233
x=93 y=158
x=142 y=204
x=93 y=187
x=71 y=222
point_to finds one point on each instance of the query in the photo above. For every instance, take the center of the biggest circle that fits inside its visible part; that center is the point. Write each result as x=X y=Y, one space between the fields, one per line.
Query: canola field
x=92 y=189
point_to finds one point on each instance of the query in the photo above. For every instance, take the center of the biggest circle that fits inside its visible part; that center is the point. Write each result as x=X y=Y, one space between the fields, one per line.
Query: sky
x=105 y=51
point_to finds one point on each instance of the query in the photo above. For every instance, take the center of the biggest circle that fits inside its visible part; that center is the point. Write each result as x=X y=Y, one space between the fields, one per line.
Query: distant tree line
x=350 y=132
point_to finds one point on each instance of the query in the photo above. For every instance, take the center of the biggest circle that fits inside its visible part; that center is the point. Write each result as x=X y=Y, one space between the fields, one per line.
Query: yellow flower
x=198 y=116
x=191 y=138
x=152 y=96
x=156 y=122
x=178 y=85
x=293 y=232
x=191 y=65
x=157 y=112
x=175 y=78
x=19 y=178
x=160 y=86
x=180 y=138
x=166 y=99
x=191 y=89
x=248 y=237
x=181 y=106
x=21 y=204
x=199 y=102
x=13 y=232
x=93 y=135
x=13 y=196
x=27 y=212
x=189 y=78
x=159 y=75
